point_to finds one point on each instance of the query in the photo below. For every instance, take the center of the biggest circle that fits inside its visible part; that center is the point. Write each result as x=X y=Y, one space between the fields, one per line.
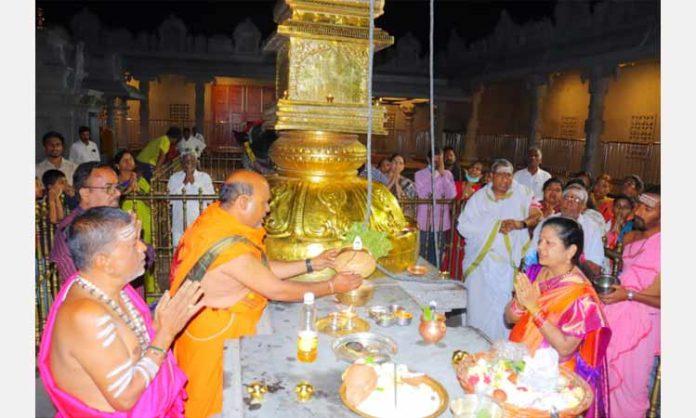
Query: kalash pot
x=604 y=282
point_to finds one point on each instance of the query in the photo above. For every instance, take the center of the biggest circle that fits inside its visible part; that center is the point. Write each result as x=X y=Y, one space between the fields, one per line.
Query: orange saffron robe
x=199 y=347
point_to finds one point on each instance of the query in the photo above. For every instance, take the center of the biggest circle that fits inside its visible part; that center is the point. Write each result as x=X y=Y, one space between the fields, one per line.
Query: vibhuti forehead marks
x=648 y=200
x=504 y=169
x=129 y=231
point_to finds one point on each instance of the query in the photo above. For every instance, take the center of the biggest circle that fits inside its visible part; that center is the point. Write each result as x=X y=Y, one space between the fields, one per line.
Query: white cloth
x=66 y=166
x=199 y=136
x=593 y=247
x=201 y=182
x=190 y=145
x=598 y=218
x=81 y=153
x=489 y=286
x=534 y=182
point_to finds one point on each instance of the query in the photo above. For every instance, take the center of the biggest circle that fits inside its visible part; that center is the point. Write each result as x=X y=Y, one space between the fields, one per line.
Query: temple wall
x=636 y=93
x=504 y=109
x=565 y=107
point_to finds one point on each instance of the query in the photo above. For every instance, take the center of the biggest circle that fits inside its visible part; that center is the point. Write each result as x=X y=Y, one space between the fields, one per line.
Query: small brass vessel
x=256 y=390
x=304 y=391
x=458 y=356
x=434 y=330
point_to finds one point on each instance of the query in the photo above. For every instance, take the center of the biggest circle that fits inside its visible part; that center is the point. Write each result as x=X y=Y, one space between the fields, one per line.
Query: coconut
x=359 y=262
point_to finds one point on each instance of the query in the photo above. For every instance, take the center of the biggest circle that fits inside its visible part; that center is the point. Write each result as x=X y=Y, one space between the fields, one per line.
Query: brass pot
x=433 y=331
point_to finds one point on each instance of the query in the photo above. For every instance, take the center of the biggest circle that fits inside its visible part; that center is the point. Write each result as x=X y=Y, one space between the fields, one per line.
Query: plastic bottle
x=307 y=338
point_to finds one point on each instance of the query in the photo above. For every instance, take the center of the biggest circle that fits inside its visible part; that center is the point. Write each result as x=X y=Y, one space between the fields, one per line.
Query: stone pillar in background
x=537 y=85
x=599 y=78
x=472 y=126
x=145 y=111
x=200 y=106
x=110 y=112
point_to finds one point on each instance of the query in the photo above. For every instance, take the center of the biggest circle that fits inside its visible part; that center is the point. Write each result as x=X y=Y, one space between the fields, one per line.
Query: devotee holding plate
x=633 y=312
x=533 y=176
x=102 y=354
x=237 y=280
x=440 y=217
x=555 y=306
x=494 y=225
x=83 y=150
x=573 y=207
x=191 y=182
x=96 y=184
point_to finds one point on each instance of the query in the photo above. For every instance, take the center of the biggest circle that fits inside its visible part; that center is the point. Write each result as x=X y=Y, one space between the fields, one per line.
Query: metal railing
x=562 y=157
x=219 y=136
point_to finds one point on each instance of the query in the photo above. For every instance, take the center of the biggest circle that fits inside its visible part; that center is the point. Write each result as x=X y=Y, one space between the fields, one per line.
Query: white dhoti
x=490 y=257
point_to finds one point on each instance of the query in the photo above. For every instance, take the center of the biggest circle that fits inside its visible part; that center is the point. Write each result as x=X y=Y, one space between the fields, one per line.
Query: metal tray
x=379 y=347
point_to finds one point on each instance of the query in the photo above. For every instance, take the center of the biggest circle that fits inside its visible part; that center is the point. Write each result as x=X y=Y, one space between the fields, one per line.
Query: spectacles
x=572 y=199
x=110 y=189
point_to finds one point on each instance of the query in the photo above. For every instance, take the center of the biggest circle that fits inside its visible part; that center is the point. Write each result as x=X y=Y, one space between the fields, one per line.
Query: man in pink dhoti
x=633 y=313
x=101 y=353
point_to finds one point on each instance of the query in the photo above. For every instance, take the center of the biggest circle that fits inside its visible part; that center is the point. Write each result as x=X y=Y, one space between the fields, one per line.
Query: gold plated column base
x=308 y=217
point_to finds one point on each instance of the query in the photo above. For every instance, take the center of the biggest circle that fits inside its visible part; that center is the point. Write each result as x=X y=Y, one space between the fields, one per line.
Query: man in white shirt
x=53 y=143
x=573 y=205
x=192 y=182
x=190 y=144
x=533 y=176
x=84 y=150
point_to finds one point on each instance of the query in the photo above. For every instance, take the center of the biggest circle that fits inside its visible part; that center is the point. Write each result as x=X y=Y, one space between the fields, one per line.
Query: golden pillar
x=321 y=81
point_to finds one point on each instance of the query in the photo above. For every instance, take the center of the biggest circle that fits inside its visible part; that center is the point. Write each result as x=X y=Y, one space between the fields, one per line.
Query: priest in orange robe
x=224 y=249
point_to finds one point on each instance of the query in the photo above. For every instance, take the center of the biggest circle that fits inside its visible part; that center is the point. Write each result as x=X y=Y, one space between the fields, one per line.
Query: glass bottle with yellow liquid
x=307 y=337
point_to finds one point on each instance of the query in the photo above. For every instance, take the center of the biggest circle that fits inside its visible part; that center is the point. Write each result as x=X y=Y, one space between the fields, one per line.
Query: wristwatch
x=629 y=295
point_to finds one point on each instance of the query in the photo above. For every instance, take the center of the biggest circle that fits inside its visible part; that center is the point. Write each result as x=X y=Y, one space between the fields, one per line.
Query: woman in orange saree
x=556 y=306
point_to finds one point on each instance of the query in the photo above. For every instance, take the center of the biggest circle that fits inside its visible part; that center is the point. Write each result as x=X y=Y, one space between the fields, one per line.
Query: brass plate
x=434 y=384
x=417 y=270
x=341 y=325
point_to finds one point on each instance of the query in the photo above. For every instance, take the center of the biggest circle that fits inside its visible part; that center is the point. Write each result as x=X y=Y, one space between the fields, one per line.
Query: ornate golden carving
x=322 y=49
